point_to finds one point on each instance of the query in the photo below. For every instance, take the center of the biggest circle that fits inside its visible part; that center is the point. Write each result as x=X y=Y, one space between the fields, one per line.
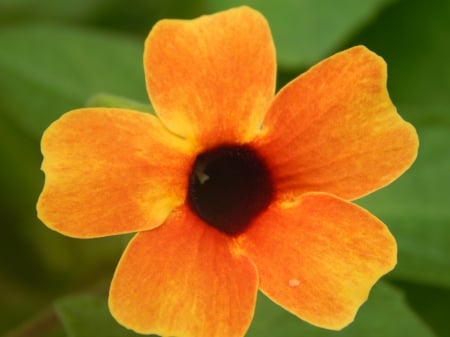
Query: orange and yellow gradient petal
x=320 y=257
x=183 y=279
x=334 y=129
x=110 y=171
x=212 y=79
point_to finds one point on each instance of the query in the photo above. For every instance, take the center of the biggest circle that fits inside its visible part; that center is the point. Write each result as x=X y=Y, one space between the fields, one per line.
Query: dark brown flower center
x=229 y=186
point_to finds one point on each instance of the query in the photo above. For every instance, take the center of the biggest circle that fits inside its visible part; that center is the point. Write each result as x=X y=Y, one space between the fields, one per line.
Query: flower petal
x=184 y=279
x=319 y=258
x=212 y=78
x=110 y=171
x=334 y=129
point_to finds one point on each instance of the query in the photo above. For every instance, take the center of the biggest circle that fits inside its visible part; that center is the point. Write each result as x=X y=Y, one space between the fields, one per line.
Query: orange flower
x=232 y=188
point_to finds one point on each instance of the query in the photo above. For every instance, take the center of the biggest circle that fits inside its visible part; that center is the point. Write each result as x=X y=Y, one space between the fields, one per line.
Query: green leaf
x=416 y=210
x=136 y=17
x=305 y=31
x=88 y=315
x=42 y=324
x=384 y=314
x=20 y=180
x=17 y=10
x=50 y=69
x=19 y=173
x=413 y=37
x=107 y=100
x=431 y=303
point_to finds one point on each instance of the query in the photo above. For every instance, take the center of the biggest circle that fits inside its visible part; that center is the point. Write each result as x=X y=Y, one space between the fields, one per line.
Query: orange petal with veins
x=320 y=257
x=184 y=279
x=110 y=171
x=334 y=129
x=212 y=79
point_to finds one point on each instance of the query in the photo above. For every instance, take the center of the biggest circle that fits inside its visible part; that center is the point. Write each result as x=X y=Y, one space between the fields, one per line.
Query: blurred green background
x=55 y=55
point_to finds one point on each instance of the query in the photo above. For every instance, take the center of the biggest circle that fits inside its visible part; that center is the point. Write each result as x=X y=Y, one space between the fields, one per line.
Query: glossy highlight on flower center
x=229 y=186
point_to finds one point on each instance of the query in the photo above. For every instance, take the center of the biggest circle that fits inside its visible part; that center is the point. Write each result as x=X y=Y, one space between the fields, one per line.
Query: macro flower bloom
x=232 y=188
